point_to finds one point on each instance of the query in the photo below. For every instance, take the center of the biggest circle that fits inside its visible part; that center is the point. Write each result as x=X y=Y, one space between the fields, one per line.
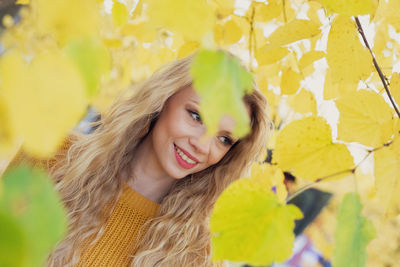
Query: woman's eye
x=226 y=140
x=195 y=115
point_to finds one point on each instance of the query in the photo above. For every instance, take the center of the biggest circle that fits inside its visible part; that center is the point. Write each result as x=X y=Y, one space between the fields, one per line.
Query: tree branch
x=352 y=170
x=381 y=75
x=304 y=188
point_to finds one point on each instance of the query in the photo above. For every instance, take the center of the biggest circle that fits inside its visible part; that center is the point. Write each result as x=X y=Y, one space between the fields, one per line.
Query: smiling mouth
x=183 y=159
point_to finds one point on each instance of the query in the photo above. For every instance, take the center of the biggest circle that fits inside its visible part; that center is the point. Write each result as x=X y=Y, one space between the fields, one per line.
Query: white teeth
x=184 y=157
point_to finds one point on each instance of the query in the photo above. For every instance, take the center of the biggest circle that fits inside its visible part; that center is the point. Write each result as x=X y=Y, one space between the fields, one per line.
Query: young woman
x=139 y=190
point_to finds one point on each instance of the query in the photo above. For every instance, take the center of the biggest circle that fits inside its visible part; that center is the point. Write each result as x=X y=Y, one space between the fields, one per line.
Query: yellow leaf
x=266 y=56
x=193 y=19
x=293 y=31
x=303 y=102
x=120 y=14
x=305 y=148
x=8 y=139
x=270 y=176
x=46 y=103
x=381 y=39
x=387 y=177
x=143 y=31
x=307 y=60
x=387 y=13
x=22 y=2
x=112 y=42
x=248 y=220
x=232 y=32
x=265 y=12
x=334 y=89
x=348 y=60
x=219 y=33
x=152 y=58
x=54 y=17
x=187 y=49
x=259 y=36
x=331 y=89
x=270 y=73
x=290 y=81
x=312 y=12
x=310 y=57
x=225 y=7
x=262 y=83
x=395 y=87
x=138 y=9
x=242 y=23
x=364 y=117
x=351 y=8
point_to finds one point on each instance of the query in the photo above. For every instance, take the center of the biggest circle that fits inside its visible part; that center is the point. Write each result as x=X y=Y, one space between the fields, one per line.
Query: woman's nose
x=201 y=144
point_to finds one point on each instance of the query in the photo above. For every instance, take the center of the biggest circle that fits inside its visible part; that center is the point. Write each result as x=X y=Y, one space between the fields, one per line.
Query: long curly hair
x=91 y=173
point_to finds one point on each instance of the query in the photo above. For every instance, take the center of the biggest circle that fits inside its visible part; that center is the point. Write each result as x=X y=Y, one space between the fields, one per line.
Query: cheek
x=217 y=155
x=170 y=127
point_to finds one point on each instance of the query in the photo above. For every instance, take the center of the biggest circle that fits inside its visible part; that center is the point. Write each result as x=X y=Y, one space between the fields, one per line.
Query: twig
x=251 y=37
x=284 y=11
x=352 y=170
x=381 y=75
x=302 y=189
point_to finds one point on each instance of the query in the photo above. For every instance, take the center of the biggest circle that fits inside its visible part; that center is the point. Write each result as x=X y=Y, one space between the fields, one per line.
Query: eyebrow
x=194 y=101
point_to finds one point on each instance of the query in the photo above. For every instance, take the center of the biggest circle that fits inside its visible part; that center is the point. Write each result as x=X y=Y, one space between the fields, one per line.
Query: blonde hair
x=91 y=173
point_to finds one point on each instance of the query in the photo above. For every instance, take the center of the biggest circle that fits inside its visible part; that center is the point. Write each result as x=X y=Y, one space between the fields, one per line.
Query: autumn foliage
x=328 y=69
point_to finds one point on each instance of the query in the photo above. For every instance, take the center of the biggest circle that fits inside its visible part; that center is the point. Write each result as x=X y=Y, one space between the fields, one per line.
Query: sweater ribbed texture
x=118 y=241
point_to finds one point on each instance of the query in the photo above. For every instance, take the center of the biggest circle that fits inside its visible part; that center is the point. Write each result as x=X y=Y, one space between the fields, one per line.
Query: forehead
x=184 y=95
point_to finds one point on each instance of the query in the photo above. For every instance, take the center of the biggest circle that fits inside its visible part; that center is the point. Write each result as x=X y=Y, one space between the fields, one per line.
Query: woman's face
x=178 y=137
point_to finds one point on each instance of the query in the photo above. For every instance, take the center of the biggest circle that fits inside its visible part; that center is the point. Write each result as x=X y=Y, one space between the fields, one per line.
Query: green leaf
x=249 y=224
x=12 y=242
x=92 y=60
x=221 y=82
x=30 y=200
x=352 y=234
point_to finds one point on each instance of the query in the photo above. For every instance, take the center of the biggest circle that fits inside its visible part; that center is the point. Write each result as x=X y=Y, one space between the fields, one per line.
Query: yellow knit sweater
x=118 y=241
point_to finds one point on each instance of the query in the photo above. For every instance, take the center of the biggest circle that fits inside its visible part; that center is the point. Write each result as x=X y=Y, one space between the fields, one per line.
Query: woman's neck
x=147 y=176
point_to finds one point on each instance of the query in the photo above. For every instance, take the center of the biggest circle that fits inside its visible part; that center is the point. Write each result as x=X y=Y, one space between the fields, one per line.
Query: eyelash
x=195 y=116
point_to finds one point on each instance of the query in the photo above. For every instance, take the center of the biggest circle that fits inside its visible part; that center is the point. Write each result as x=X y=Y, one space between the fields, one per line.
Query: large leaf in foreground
x=29 y=200
x=352 y=234
x=249 y=224
x=221 y=82
x=46 y=103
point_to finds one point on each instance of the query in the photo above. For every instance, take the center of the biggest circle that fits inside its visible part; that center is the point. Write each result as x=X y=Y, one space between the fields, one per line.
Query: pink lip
x=182 y=162
x=188 y=154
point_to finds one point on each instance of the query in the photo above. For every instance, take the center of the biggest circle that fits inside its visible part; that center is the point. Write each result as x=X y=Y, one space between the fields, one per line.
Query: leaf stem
x=381 y=75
